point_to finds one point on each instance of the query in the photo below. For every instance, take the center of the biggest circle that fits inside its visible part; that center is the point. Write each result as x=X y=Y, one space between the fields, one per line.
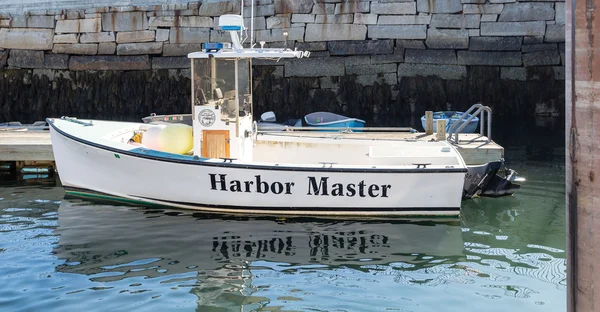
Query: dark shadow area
x=131 y=95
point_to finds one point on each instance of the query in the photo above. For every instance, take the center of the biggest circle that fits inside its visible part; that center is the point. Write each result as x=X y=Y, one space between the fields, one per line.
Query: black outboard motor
x=486 y=180
x=498 y=186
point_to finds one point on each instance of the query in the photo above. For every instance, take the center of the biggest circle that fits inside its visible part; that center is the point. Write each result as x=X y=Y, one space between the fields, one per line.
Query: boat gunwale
x=225 y=164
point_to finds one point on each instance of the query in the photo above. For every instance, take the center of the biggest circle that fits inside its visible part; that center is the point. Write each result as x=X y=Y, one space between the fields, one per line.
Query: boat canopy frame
x=211 y=61
x=260 y=53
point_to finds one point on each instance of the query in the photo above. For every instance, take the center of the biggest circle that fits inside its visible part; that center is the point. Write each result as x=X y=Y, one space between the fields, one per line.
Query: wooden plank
x=25 y=145
x=215 y=143
x=429 y=122
x=582 y=75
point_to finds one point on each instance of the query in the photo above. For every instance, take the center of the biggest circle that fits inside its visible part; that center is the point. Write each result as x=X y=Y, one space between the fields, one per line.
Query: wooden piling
x=429 y=122
x=8 y=171
x=440 y=133
x=582 y=113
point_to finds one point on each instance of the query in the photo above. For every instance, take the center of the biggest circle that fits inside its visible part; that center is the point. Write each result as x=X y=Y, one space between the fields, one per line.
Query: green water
x=504 y=254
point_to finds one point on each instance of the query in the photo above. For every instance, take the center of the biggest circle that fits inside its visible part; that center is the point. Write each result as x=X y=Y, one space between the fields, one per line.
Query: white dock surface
x=25 y=145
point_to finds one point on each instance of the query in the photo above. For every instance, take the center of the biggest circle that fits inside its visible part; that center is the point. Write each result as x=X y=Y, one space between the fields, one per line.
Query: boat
x=211 y=165
x=492 y=178
x=453 y=117
x=18 y=126
x=267 y=122
x=332 y=121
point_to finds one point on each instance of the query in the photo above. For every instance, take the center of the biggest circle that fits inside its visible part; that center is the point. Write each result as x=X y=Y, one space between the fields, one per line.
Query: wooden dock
x=31 y=148
x=25 y=146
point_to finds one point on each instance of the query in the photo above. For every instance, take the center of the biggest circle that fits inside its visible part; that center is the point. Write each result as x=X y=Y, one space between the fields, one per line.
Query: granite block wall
x=385 y=61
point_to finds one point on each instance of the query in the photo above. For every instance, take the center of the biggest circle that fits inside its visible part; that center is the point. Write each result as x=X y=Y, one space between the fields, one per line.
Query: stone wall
x=382 y=60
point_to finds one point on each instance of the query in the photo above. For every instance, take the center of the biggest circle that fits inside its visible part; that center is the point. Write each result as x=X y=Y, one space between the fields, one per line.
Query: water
x=504 y=254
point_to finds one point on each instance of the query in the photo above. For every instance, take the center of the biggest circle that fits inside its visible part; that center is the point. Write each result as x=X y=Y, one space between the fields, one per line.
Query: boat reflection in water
x=215 y=255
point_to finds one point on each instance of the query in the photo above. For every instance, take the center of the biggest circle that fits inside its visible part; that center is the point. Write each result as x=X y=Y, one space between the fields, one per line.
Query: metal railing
x=75 y=120
x=461 y=123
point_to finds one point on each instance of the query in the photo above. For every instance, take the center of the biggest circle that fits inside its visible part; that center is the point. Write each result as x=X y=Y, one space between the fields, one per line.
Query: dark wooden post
x=583 y=154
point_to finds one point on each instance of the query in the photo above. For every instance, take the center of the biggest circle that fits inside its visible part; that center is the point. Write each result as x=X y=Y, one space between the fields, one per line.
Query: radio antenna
x=252 y=24
x=242 y=15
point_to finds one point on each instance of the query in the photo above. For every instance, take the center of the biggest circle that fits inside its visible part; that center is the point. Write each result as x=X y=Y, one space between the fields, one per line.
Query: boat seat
x=218 y=94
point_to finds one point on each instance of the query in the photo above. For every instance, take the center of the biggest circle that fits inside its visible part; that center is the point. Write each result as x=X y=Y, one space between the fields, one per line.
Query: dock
x=25 y=146
x=26 y=157
x=31 y=148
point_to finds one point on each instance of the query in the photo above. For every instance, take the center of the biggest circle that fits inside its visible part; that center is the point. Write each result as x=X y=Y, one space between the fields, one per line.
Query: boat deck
x=474 y=148
x=36 y=145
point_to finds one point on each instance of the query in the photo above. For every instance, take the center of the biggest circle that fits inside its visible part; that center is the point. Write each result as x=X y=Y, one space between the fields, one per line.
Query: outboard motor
x=498 y=186
x=485 y=180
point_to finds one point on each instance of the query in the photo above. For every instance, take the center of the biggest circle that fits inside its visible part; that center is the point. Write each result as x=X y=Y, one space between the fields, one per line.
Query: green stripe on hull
x=113 y=199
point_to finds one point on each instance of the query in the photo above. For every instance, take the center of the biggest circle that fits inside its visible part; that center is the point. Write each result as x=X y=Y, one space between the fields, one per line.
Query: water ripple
x=508 y=251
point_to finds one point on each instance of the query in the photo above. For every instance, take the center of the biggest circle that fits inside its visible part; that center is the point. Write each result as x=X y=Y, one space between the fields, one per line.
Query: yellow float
x=176 y=138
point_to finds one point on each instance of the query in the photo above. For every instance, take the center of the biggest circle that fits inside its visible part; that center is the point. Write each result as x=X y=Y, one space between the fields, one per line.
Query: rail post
x=428 y=122
x=440 y=133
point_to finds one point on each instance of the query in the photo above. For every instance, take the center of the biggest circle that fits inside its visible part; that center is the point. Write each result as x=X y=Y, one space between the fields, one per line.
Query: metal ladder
x=461 y=123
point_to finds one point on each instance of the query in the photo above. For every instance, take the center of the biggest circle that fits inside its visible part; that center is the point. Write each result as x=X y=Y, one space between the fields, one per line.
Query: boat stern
x=492 y=179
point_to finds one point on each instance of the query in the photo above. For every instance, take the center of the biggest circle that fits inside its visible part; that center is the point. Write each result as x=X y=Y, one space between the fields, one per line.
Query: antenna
x=251 y=24
x=242 y=15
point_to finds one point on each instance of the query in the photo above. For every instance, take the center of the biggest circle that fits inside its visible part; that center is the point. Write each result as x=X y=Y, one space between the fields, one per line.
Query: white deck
x=474 y=149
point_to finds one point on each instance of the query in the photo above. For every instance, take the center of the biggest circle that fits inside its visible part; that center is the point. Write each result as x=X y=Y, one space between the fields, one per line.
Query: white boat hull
x=98 y=168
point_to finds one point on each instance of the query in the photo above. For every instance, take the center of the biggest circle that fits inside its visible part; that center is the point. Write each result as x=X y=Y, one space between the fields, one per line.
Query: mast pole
x=242 y=15
x=252 y=24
